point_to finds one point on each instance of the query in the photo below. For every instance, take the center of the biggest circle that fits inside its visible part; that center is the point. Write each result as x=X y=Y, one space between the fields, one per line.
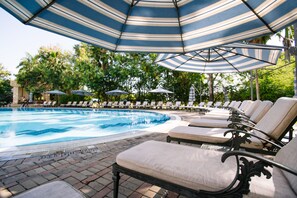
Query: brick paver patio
x=87 y=169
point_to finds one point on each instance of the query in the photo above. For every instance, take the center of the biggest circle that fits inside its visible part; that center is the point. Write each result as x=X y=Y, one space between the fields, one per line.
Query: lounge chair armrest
x=269 y=136
x=237 y=140
x=266 y=161
x=245 y=125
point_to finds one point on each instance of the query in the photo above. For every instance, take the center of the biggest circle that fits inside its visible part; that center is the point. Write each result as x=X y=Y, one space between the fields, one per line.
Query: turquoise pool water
x=19 y=127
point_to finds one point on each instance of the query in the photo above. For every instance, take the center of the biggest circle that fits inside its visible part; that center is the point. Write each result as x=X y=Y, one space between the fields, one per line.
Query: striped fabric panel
x=155 y=25
x=222 y=59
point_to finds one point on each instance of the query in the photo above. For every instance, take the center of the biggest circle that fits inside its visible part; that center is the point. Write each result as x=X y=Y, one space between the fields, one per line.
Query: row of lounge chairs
x=76 y=104
x=161 y=105
x=248 y=131
x=49 y=103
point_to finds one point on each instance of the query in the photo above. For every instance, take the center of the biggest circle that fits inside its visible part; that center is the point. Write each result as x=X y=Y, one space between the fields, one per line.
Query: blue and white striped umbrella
x=228 y=58
x=165 y=26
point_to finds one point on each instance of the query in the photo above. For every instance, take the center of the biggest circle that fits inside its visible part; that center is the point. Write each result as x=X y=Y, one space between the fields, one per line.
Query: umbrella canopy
x=192 y=94
x=81 y=92
x=55 y=92
x=236 y=57
x=116 y=92
x=172 y=26
x=160 y=90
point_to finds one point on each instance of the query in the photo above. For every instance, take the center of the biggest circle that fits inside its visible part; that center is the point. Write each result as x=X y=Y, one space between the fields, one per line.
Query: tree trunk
x=251 y=85
x=295 y=38
x=210 y=87
x=257 y=85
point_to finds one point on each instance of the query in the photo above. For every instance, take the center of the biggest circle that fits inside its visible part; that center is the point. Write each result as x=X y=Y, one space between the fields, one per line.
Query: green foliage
x=49 y=69
x=274 y=82
x=5 y=88
x=100 y=71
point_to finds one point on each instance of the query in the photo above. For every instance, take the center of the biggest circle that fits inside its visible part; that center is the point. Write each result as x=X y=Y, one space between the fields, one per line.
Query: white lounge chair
x=137 y=105
x=195 y=172
x=252 y=117
x=274 y=125
x=127 y=104
x=177 y=105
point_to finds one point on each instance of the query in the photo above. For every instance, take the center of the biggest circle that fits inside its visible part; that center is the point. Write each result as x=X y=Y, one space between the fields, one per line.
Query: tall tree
x=5 y=88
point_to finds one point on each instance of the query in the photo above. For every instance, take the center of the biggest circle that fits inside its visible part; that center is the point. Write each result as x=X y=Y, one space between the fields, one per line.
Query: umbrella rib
x=180 y=28
x=248 y=57
x=215 y=59
x=226 y=60
x=260 y=18
x=201 y=56
x=185 y=61
x=40 y=11
x=125 y=23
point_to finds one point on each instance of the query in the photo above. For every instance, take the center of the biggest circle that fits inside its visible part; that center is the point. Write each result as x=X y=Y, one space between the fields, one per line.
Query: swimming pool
x=20 y=127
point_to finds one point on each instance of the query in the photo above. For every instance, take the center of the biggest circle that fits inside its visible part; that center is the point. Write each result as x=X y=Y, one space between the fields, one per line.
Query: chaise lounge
x=274 y=125
x=195 y=172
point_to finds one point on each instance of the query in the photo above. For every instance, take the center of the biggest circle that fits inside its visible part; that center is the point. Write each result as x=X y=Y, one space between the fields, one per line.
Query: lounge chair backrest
x=153 y=103
x=288 y=156
x=54 y=103
x=232 y=103
x=103 y=103
x=226 y=104
x=237 y=104
x=201 y=104
x=144 y=103
x=249 y=110
x=217 y=104
x=69 y=102
x=278 y=118
x=190 y=103
x=137 y=103
x=209 y=103
x=121 y=103
x=244 y=104
x=168 y=104
x=177 y=103
x=160 y=103
x=109 y=104
x=127 y=103
x=74 y=103
x=247 y=105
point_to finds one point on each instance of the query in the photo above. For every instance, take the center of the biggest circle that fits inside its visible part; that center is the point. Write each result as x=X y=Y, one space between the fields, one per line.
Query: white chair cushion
x=288 y=156
x=261 y=111
x=208 y=135
x=253 y=105
x=187 y=166
x=278 y=118
x=210 y=123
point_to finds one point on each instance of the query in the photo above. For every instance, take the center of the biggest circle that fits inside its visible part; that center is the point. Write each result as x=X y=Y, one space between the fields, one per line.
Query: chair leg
x=116 y=179
x=168 y=139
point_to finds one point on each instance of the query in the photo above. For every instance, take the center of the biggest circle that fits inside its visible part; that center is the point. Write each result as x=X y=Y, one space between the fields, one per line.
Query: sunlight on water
x=40 y=126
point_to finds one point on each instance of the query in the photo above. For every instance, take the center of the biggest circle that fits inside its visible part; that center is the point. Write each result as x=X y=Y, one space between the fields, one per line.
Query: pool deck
x=87 y=167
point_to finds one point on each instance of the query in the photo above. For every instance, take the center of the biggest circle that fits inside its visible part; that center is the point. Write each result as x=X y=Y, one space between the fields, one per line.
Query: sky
x=17 y=39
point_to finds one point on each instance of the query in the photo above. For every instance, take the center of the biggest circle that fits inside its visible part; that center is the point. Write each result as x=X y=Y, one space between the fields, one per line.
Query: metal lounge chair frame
x=240 y=185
